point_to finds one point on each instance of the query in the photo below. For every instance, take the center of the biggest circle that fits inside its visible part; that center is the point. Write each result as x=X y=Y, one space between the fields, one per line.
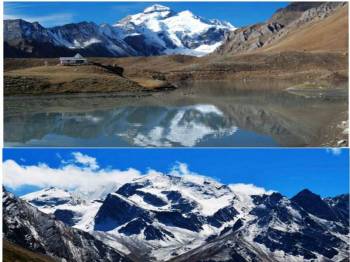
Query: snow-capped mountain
x=32 y=39
x=188 y=217
x=156 y=31
x=163 y=31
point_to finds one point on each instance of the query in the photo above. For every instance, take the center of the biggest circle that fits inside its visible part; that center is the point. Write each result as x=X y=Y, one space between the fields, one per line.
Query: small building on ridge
x=78 y=59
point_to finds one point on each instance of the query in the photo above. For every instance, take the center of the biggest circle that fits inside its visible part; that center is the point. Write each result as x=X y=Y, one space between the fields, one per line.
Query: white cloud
x=70 y=176
x=336 y=151
x=83 y=174
x=47 y=20
x=182 y=169
x=85 y=160
x=249 y=189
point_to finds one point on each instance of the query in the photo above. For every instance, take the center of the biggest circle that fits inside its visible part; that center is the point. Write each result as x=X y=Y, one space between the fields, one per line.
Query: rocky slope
x=181 y=218
x=298 y=27
x=25 y=39
x=156 y=31
x=28 y=227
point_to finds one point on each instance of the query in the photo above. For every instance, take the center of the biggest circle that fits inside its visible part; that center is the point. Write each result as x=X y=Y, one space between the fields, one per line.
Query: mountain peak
x=306 y=193
x=314 y=204
x=156 y=8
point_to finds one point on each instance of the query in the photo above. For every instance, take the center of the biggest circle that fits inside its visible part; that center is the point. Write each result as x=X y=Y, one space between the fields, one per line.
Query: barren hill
x=298 y=27
x=329 y=34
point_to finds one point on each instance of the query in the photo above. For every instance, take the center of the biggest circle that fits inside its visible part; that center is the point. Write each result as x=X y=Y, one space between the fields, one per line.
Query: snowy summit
x=173 y=33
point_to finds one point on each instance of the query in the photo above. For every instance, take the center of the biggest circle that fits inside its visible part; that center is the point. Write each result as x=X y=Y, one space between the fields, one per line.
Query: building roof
x=76 y=57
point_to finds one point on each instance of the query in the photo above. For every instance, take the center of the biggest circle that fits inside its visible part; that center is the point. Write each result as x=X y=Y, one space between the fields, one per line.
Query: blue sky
x=288 y=171
x=58 y=13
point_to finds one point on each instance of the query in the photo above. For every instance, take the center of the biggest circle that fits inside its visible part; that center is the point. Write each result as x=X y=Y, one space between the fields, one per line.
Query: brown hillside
x=330 y=34
x=16 y=253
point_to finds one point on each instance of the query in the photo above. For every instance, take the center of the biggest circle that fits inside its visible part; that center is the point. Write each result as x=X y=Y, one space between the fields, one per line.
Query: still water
x=200 y=115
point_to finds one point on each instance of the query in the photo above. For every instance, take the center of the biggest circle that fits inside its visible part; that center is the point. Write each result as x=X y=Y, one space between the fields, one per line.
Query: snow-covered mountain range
x=191 y=218
x=158 y=30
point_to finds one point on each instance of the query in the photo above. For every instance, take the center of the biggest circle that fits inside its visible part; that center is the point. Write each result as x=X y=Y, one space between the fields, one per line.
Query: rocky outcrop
x=285 y=21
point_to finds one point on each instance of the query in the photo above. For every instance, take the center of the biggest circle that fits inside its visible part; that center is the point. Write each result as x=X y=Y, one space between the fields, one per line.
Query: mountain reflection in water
x=184 y=117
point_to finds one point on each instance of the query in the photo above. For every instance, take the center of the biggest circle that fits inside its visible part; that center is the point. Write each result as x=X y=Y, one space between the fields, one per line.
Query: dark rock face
x=132 y=189
x=270 y=207
x=222 y=215
x=311 y=236
x=66 y=216
x=178 y=202
x=300 y=243
x=134 y=227
x=152 y=199
x=340 y=206
x=150 y=232
x=176 y=219
x=138 y=42
x=28 y=227
x=153 y=233
x=313 y=204
x=115 y=211
x=129 y=189
x=51 y=202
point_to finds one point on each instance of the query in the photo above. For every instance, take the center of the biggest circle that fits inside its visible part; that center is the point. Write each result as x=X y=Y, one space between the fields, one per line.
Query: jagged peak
x=306 y=193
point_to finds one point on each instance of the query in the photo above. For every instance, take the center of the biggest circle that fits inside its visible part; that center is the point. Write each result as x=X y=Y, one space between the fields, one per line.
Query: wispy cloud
x=249 y=189
x=48 y=20
x=70 y=176
x=23 y=10
x=85 y=160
